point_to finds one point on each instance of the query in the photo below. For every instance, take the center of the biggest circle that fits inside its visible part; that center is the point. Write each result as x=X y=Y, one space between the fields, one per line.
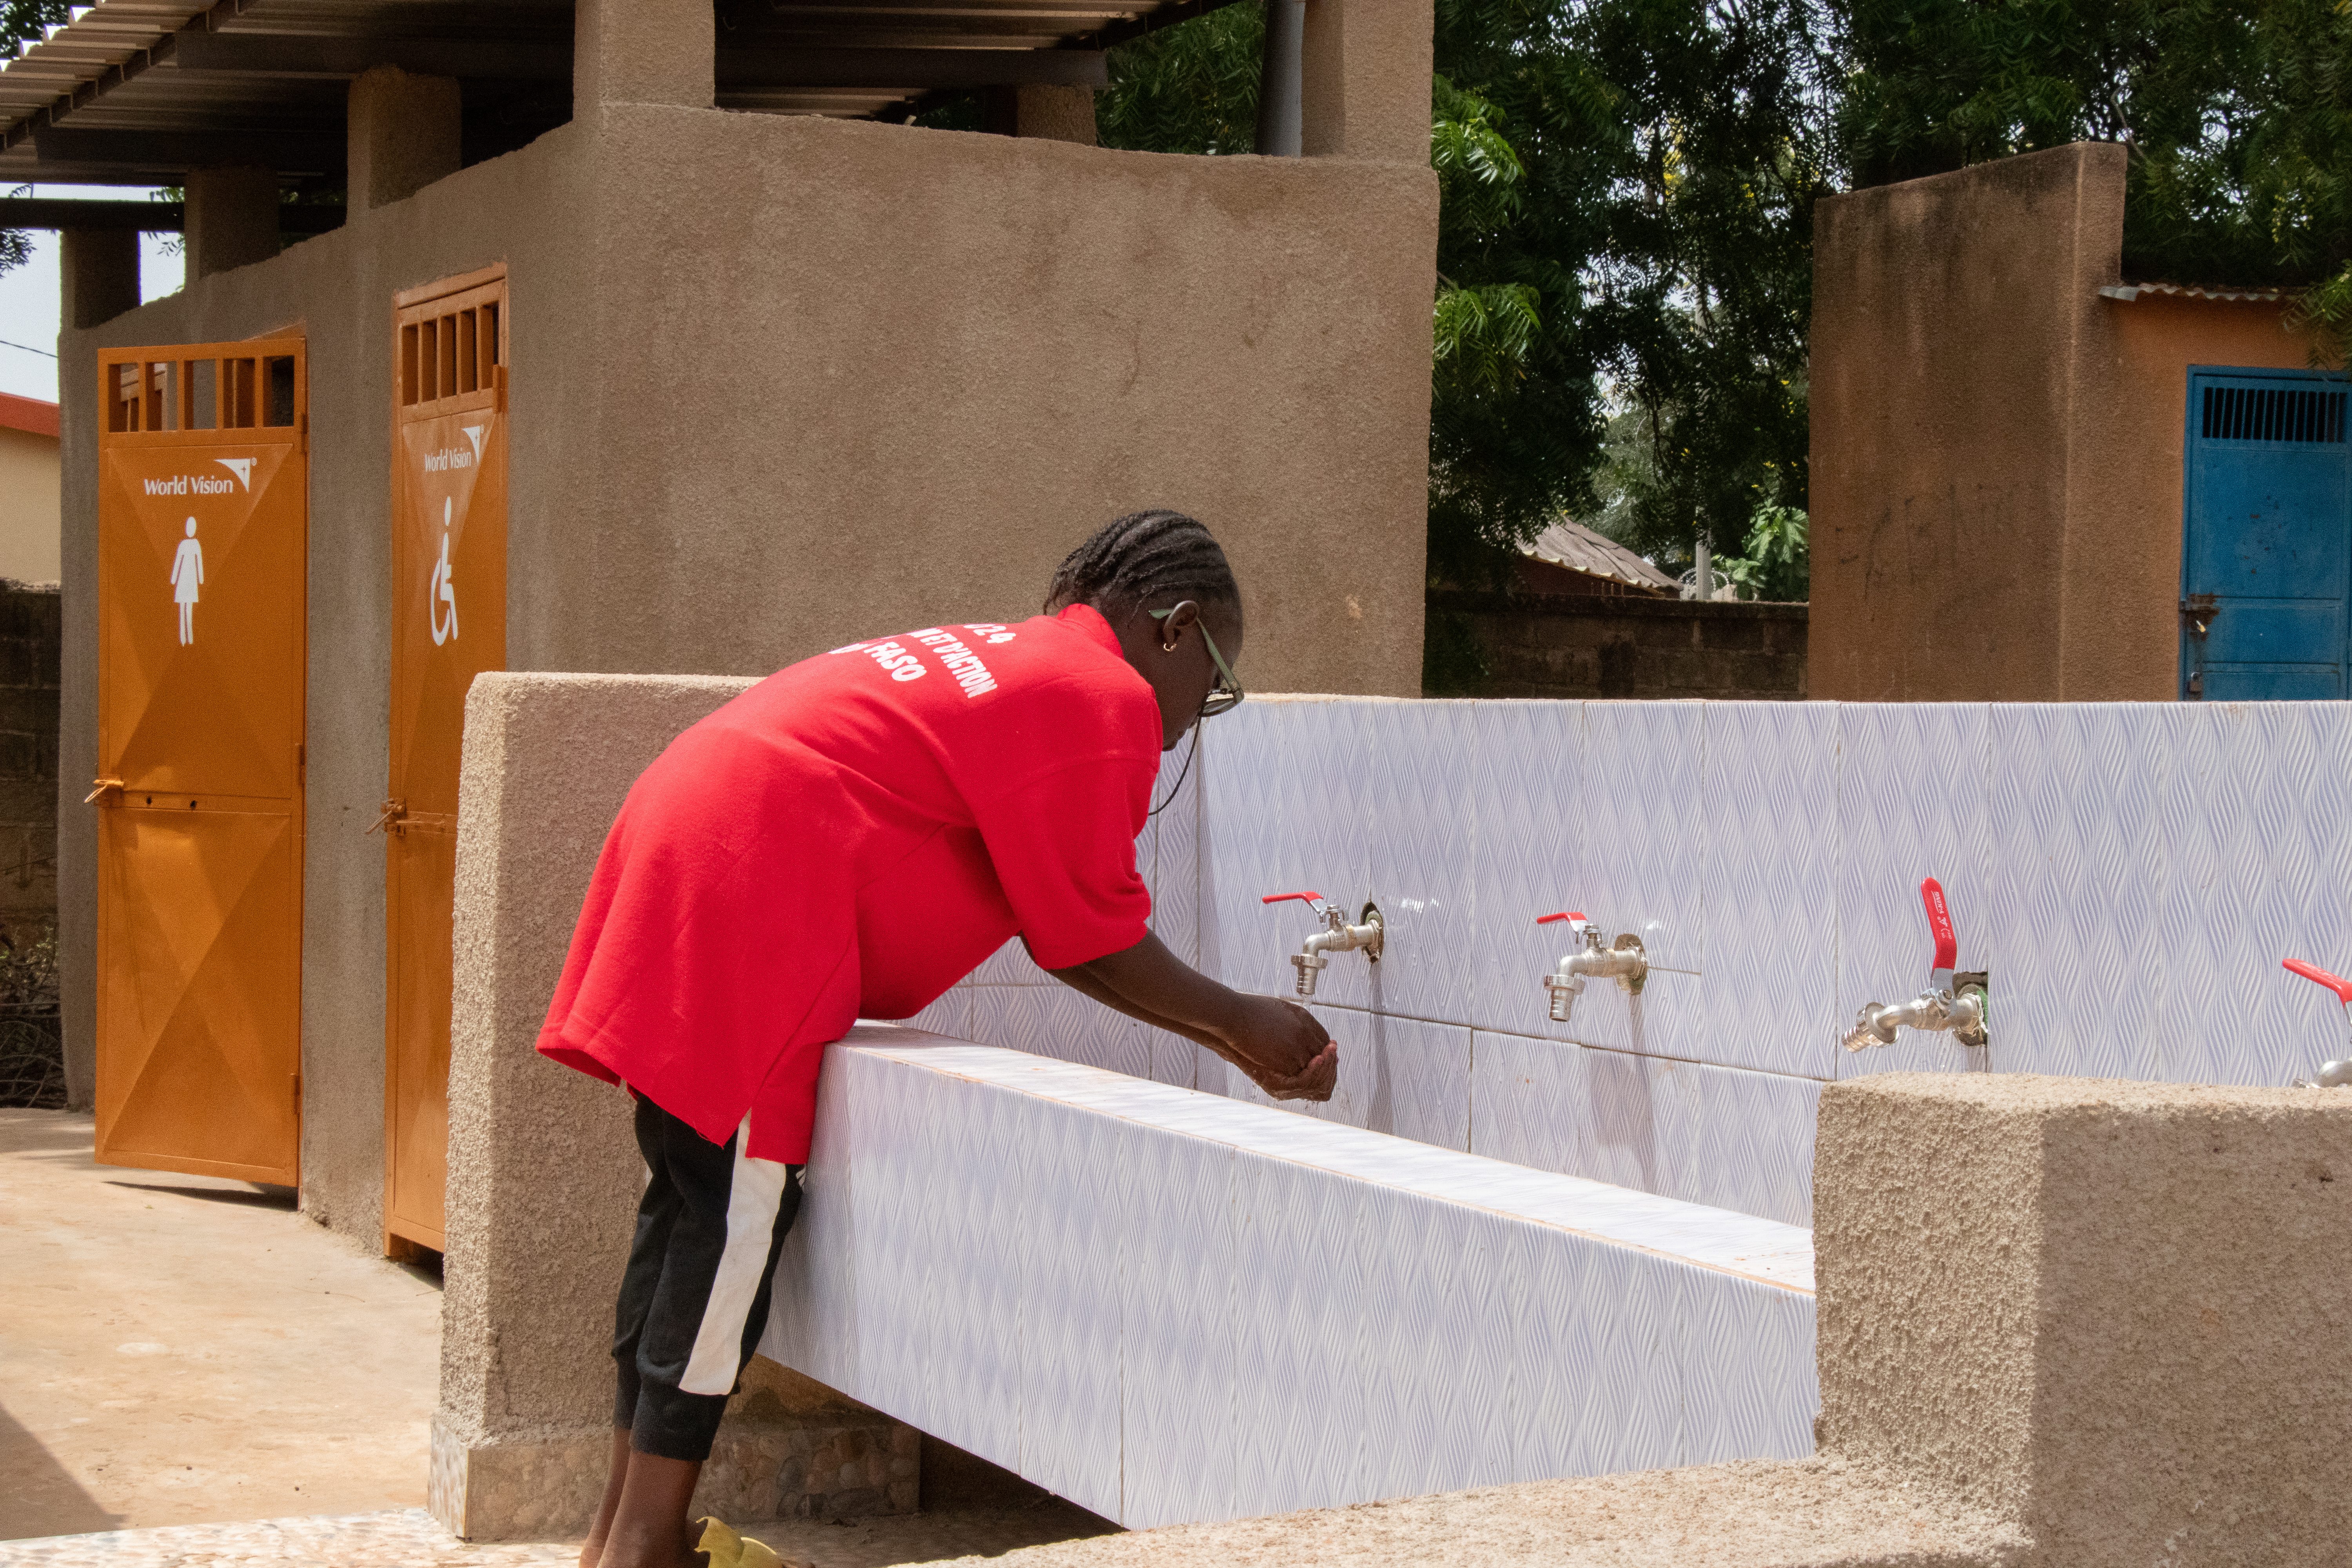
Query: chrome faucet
x=1623 y=962
x=1943 y=1007
x=1337 y=936
x=2337 y=1074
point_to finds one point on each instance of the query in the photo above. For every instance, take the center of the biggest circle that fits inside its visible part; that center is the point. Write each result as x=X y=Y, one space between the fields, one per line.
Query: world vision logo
x=205 y=484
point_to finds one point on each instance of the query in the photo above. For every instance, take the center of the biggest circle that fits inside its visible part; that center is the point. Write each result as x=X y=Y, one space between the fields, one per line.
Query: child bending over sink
x=848 y=839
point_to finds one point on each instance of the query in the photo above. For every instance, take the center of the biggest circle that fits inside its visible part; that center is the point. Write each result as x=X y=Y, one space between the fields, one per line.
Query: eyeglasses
x=1226 y=695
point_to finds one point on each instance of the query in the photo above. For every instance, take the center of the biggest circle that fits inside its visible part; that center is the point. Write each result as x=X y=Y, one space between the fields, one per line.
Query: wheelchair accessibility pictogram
x=443 y=589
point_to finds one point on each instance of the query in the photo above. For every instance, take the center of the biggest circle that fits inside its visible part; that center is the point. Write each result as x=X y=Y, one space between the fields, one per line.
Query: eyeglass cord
x=1177 y=788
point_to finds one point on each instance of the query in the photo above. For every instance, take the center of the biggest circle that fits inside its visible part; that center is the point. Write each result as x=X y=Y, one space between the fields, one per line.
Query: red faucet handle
x=1939 y=921
x=2312 y=972
x=1309 y=900
x=1576 y=915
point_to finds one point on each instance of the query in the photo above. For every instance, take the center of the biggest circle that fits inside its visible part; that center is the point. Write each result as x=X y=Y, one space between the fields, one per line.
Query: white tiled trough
x=1171 y=1305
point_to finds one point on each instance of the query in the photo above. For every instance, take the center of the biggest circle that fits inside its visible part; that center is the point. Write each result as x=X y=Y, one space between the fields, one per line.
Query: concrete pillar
x=99 y=275
x=1055 y=114
x=403 y=132
x=232 y=219
x=1366 y=87
x=643 y=51
x=2092 y=1307
x=525 y=1419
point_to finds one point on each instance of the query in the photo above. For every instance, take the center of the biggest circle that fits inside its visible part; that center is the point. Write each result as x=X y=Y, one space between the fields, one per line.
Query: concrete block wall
x=31 y=648
x=1561 y=645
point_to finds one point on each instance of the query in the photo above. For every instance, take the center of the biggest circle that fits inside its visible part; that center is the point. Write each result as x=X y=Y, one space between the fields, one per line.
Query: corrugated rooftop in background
x=1580 y=549
x=2131 y=291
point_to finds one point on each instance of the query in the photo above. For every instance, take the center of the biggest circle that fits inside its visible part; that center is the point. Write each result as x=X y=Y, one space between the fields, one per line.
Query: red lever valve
x=1309 y=900
x=1563 y=915
x=2312 y=972
x=1939 y=921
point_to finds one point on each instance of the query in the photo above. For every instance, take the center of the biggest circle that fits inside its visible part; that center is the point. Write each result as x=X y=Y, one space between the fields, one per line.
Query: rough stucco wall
x=1926 y=1229
x=1948 y=316
x=2098 y=1307
x=534 y=1262
x=335 y=290
x=782 y=383
x=886 y=376
x=2123 y=581
x=1364 y=80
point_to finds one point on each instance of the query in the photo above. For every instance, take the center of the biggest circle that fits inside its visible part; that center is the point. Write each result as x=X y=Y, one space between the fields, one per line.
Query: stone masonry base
x=831 y=1465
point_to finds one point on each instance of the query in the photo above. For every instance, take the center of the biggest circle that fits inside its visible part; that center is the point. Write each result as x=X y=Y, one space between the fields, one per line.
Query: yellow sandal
x=728 y=1549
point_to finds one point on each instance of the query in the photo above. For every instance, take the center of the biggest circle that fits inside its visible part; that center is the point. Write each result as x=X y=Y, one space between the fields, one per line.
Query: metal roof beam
x=147 y=217
x=289 y=55
x=177 y=152
x=743 y=68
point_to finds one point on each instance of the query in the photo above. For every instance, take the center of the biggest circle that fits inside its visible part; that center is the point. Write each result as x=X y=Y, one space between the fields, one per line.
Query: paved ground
x=409 y=1538
x=175 y=1350
x=192 y=1375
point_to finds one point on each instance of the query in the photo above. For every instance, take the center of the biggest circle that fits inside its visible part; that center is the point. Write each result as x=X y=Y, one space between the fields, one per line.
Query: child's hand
x=1285 y=1051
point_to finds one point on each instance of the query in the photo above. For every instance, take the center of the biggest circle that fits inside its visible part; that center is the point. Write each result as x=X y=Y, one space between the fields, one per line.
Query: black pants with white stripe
x=694 y=1298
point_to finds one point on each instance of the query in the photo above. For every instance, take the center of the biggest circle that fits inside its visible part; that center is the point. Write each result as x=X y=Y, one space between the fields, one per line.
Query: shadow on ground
x=43 y=1499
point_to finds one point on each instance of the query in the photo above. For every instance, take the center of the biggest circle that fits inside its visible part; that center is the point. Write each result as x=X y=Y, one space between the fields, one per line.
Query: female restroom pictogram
x=187 y=575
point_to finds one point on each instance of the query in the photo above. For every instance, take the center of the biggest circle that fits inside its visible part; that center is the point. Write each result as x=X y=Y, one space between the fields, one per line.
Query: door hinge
x=97 y=795
x=396 y=812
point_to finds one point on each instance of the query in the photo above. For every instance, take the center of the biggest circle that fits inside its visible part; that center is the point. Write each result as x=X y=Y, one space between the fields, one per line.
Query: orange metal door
x=203 y=523
x=449 y=624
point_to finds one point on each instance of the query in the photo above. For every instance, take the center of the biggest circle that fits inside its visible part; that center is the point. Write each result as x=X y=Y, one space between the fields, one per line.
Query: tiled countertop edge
x=1765 y=1251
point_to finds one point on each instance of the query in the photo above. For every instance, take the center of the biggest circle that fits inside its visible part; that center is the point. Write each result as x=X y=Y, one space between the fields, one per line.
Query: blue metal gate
x=2266 y=563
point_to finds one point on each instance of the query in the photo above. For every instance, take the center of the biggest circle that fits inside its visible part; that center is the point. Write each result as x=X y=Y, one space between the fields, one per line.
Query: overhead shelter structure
x=634 y=335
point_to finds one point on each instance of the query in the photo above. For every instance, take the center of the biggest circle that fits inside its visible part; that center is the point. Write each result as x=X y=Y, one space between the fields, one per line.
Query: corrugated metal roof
x=1580 y=549
x=2131 y=291
x=135 y=91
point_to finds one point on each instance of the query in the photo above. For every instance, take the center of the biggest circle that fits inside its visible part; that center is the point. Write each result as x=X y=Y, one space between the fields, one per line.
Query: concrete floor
x=190 y=1357
x=180 y=1350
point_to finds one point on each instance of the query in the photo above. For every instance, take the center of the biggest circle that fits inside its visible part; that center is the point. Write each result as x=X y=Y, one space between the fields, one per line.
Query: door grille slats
x=2273 y=413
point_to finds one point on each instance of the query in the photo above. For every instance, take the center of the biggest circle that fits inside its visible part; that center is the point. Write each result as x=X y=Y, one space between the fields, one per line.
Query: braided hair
x=1148 y=559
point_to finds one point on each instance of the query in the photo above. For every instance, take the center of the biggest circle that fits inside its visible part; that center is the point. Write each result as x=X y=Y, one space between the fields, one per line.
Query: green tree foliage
x=2239 y=116
x=1191 y=88
x=1656 y=234
x=23 y=22
x=1777 y=563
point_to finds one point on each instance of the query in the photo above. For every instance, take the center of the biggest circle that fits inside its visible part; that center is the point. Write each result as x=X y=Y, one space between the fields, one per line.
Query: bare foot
x=620 y=1552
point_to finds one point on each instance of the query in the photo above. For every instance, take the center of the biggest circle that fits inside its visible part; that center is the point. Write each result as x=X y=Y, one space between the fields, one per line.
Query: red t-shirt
x=847 y=839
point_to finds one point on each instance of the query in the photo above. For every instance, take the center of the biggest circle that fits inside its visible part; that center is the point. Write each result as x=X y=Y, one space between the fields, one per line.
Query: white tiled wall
x=2130 y=874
